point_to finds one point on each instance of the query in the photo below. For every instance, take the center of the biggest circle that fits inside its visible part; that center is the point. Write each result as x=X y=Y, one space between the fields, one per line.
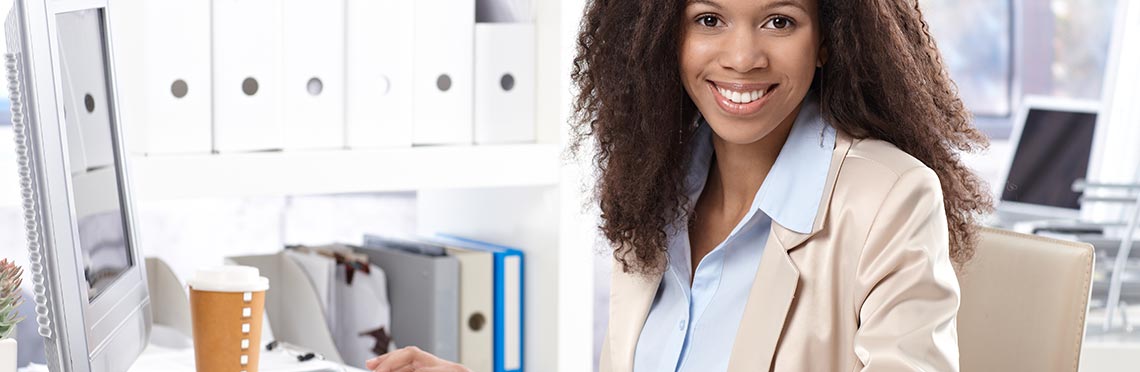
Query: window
x=1064 y=45
x=975 y=39
x=1082 y=31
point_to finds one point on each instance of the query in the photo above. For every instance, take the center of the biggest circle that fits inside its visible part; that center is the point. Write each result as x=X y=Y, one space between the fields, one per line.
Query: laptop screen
x=1052 y=153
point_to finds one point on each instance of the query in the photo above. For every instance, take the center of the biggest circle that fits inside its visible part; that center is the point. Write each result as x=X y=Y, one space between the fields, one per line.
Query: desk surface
x=156 y=358
x=161 y=359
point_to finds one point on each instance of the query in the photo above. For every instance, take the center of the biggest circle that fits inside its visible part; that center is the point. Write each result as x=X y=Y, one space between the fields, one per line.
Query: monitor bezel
x=119 y=319
x=1030 y=103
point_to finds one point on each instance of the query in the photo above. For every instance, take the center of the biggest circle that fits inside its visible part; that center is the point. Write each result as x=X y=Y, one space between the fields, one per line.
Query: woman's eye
x=779 y=23
x=708 y=21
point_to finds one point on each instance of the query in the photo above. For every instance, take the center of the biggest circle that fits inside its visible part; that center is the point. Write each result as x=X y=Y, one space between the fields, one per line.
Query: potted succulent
x=10 y=301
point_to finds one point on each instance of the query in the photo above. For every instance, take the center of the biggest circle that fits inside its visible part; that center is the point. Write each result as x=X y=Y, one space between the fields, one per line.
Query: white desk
x=1118 y=350
x=161 y=359
x=170 y=351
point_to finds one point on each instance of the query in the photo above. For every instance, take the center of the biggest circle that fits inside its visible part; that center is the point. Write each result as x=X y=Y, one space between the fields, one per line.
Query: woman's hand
x=412 y=359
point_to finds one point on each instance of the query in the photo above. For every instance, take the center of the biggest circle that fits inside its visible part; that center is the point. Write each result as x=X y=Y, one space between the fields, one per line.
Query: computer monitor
x=1052 y=142
x=92 y=303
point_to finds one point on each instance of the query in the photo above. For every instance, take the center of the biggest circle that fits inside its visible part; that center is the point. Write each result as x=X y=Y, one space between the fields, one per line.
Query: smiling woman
x=775 y=51
x=780 y=182
x=883 y=79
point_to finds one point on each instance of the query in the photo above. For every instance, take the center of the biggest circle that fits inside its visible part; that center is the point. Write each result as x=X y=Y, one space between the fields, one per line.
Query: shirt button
x=681 y=325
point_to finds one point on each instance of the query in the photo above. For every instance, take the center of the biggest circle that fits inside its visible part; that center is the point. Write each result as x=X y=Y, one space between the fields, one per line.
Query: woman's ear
x=822 y=58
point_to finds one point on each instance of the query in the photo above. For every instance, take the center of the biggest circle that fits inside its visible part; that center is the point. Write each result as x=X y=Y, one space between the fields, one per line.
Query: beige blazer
x=870 y=288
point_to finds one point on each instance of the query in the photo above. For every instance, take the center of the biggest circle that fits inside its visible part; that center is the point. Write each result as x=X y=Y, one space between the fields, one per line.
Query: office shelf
x=325 y=172
x=520 y=195
x=162 y=177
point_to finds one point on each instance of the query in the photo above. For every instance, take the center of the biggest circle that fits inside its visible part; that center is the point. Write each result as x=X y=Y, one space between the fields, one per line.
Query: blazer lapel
x=631 y=296
x=766 y=309
x=769 y=301
x=777 y=279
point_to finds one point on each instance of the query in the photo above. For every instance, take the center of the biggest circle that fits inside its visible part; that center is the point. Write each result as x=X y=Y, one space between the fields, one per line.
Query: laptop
x=1052 y=142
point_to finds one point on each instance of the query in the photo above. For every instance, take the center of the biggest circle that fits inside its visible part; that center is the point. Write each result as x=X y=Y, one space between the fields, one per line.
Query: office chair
x=1024 y=301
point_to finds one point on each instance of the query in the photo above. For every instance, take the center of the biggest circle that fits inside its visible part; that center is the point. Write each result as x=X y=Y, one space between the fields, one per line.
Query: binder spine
x=509 y=314
x=447 y=328
x=500 y=319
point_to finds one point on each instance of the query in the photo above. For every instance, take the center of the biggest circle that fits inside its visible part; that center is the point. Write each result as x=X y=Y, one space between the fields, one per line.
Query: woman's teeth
x=741 y=97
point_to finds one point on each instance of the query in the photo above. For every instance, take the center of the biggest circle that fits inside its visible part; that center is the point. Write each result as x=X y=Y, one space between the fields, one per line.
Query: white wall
x=194 y=233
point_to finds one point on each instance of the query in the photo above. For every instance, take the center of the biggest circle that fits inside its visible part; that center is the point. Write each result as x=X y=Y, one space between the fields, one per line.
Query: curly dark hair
x=884 y=78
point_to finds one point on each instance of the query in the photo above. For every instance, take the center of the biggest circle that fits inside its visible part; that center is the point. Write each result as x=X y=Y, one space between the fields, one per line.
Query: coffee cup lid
x=229 y=278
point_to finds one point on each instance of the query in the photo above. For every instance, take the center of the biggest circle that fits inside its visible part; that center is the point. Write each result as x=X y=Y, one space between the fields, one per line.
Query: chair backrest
x=1024 y=300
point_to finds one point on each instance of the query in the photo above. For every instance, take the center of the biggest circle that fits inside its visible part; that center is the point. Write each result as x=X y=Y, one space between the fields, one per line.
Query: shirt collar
x=793 y=189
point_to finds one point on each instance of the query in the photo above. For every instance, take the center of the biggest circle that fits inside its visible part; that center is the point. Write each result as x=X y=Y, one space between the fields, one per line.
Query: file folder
x=174 y=114
x=504 y=83
x=509 y=290
x=128 y=23
x=378 y=107
x=476 y=308
x=247 y=57
x=444 y=84
x=354 y=299
x=424 y=293
x=313 y=86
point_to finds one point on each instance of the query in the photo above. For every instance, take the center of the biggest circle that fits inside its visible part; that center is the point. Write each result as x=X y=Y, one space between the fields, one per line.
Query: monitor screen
x=1051 y=154
x=96 y=186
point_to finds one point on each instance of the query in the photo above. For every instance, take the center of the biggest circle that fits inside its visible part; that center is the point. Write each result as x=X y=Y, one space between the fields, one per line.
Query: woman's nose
x=743 y=51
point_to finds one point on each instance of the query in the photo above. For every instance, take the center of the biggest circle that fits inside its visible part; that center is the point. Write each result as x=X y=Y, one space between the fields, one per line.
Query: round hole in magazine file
x=443 y=82
x=507 y=82
x=89 y=102
x=476 y=321
x=179 y=88
x=315 y=86
x=385 y=85
x=249 y=86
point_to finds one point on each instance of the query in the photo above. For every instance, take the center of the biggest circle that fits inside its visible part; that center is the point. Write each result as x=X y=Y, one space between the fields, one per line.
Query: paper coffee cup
x=226 y=307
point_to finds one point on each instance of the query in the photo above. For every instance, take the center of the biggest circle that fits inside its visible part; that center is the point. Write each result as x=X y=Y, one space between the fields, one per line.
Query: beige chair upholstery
x=1024 y=300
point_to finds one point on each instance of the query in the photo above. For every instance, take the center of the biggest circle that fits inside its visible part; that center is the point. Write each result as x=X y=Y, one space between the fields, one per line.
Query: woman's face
x=747 y=64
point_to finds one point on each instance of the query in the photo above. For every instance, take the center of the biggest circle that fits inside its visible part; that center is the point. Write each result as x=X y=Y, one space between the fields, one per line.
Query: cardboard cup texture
x=227 y=329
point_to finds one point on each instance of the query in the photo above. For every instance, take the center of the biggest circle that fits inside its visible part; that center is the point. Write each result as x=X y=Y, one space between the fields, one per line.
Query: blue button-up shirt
x=693 y=329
